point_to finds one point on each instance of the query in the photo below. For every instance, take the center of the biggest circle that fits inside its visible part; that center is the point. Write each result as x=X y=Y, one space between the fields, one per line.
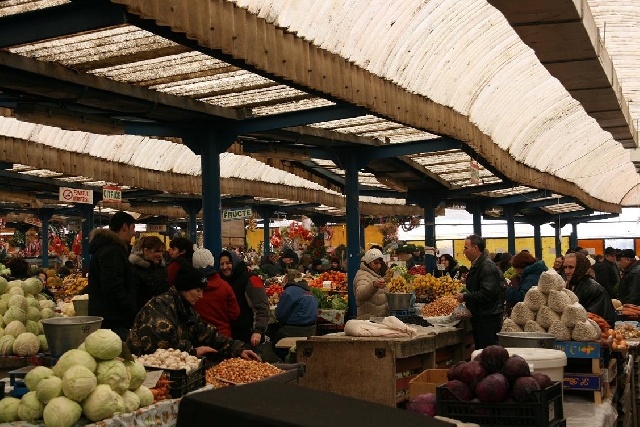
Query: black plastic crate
x=182 y=383
x=545 y=411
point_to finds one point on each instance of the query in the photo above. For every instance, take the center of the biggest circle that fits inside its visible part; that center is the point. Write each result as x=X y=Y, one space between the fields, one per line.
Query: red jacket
x=218 y=304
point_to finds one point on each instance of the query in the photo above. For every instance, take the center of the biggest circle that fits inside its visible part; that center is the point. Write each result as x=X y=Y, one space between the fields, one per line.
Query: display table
x=376 y=369
x=335 y=317
x=580 y=411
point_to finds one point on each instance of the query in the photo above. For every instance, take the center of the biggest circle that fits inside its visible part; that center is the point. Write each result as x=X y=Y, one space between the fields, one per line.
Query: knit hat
x=288 y=253
x=610 y=251
x=371 y=255
x=188 y=278
x=203 y=258
x=628 y=253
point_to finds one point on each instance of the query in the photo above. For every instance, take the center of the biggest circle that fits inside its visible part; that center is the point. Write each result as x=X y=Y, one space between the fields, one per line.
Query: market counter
x=376 y=369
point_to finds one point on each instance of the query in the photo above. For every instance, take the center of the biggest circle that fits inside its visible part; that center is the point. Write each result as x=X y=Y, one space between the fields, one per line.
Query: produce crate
x=545 y=411
x=181 y=382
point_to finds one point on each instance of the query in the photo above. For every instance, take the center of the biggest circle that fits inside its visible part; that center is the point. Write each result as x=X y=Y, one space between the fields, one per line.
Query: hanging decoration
x=389 y=231
x=412 y=223
x=251 y=225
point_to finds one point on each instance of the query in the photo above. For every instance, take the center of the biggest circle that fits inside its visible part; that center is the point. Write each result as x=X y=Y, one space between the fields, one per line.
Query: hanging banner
x=111 y=193
x=73 y=195
x=236 y=213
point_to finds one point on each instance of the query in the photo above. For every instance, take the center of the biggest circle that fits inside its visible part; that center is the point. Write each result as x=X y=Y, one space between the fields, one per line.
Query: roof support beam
x=474 y=189
x=544 y=203
x=59 y=21
x=415 y=147
x=518 y=198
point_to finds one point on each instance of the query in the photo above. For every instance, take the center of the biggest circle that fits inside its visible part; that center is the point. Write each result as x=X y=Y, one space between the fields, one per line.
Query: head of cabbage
x=46 y=313
x=18 y=301
x=15 y=289
x=4 y=306
x=131 y=401
x=145 y=396
x=15 y=328
x=115 y=374
x=47 y=303
x=103 y=344
x=61 y=412
x=32 y=326
x=101 y=403
x=14 y=313
x=9 y=409
x=137 y=373
x=32 y=286
x=78 y=383
x=4 y=285
x=36 y=375
x=6 y=345
x=33 y=314
x=74 y=357
x=26 y=344
x=30 y=408
x=44 y=345
x=49 y=388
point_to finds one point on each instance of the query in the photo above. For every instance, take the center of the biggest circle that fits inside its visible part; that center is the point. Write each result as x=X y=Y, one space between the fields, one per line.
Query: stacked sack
x=549 y=307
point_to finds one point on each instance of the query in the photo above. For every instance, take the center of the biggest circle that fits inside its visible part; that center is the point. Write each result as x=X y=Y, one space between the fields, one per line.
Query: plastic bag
x=461 y=312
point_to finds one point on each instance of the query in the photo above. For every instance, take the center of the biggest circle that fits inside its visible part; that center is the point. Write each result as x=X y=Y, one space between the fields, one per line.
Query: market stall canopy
x=424 y=71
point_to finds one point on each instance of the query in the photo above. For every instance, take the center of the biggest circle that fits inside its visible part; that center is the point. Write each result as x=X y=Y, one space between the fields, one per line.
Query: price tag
x=152 y=378
x=397 y=273
x=326 y=284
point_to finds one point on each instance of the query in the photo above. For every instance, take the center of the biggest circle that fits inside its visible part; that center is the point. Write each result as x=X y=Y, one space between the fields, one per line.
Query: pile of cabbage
x=90 y=380
x=21 y=309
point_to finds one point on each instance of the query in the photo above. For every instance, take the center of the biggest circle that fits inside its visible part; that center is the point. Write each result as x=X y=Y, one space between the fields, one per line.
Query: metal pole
x=511 y=230
x=45 y=215
x=537 y=240
x=353 y=228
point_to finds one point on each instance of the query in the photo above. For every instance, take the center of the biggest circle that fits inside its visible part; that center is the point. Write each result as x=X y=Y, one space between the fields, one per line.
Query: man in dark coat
x=590 y=294
x=484 y=285
x=629 y=290
x=417 y=258
x=607 y=273
x=111 y=288
x=269 y=267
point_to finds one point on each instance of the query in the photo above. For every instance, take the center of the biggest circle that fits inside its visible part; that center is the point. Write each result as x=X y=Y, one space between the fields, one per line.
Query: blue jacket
x=297 y=305
x=530 y=276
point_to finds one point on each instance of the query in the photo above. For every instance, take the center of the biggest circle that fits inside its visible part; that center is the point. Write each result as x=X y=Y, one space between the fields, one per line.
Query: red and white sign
x=111 y=193
x=73 y=195
x=158 y=228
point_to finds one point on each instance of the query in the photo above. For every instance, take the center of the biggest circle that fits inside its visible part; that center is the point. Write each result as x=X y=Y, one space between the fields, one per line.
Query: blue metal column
x=558 y=234
x=192 y=208
x=429 y=233
x=362 y=239
x=537 y=240
x=475 y=209
x=210 y=149
x=573 y=237
x=511 y=230
x=353 y=227
x=45 y=216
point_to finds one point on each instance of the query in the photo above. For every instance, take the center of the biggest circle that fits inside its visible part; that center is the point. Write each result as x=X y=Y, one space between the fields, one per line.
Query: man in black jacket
x=484 y=286
x=111 y=288
x=607 y=273
x=630 y=284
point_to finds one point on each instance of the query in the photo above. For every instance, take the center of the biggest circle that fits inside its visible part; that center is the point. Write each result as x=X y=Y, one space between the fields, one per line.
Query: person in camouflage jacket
x=170 y=321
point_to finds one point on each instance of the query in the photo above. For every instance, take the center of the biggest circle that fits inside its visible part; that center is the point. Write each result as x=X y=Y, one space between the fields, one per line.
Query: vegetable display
x=79 y=384
x=239 y=371
x=170 y=359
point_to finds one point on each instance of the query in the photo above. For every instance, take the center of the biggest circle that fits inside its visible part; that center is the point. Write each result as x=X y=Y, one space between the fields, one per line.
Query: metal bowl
x=398 y=301
x=526 y=340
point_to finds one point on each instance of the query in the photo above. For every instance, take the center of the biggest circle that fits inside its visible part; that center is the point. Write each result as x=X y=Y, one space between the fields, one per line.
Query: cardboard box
x=427 y=381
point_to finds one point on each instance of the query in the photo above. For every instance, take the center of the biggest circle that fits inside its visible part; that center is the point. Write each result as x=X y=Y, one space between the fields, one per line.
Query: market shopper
x=218 y=305
x=181 y=252
x=335 y=265
x=484 y=285
x=528 y=269
x=607 y=273
x=591 y=295
x=169 y=321
x=296 y=312
x=417 y=258
x=629 y=289
x=248 y=288
x=450 y=266
x=269 y=267
x=111 y=287
x=369 y=287
x=19 y=268
x=557 y=266
x=149 y=270
x=316 y=266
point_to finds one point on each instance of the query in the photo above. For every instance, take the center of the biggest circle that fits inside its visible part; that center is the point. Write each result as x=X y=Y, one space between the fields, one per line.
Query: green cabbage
x=74 y=357
x=136 y=372
x=33 y=314
x=78 y=383
x=14 y=313
x=1 y=332
x=49 y=388
x=30 y=408
x=18 y=301
x=46 y=313
x=15 y=328
x=100 y=404
x=6 y=345
x=32 y=327
x=113 y=373
x=32 y=286
x=145 y=395
x=103 y=344
x=5 y=297
x=15 y=290
x=120 y=407
x=47 y=303
x=338 y=303
x=4 y=285
x=4 y=306
x=26 y=344
x=40 y=328
x=32 y=302
x=61 y=412
x=36 y=375
x=9 y=409
x=81 y=347
x=44 y=345
x=131 y=401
